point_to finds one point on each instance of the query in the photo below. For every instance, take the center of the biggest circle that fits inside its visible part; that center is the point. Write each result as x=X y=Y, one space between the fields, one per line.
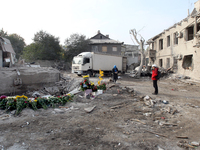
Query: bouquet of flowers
x=102 y=86
x=21 y=102
x=86 y=84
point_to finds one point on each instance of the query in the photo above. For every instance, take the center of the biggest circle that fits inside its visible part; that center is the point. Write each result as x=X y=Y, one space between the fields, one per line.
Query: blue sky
x=62 y=18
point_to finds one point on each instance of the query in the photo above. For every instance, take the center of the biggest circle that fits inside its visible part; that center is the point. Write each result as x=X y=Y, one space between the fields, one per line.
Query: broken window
x=160 y=44
x=160 y=63
x=190 y=33
x=168 y=41
x=187 y=62
x=104 y=48
x=175 y=39
x=168 y=63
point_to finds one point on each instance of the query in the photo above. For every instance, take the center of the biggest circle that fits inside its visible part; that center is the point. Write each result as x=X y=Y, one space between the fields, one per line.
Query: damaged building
x=179 y=46
x=16 y=80
x=133 y=55
x=7 y=54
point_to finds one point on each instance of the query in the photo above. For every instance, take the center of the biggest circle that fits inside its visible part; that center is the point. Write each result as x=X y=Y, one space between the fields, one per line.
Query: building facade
x=179 y=46
x=7 y=54
x=132 y=53
x=103 y=44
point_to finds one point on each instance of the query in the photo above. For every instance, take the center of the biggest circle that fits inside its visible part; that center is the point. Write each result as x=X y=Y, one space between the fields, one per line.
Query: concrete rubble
x=22 y=79
x=147 y=72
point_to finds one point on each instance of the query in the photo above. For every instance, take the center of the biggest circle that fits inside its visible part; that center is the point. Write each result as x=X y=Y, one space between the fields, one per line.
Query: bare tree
x=133 y=32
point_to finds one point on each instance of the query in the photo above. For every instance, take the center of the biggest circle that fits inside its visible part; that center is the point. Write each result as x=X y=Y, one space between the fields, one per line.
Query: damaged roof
x=193 y=14
x=6 y=45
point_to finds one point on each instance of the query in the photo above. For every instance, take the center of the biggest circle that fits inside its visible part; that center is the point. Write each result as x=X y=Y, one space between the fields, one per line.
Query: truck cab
x=82 y=64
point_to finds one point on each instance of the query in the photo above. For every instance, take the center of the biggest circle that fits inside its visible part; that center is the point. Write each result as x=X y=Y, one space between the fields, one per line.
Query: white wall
x=183 y=47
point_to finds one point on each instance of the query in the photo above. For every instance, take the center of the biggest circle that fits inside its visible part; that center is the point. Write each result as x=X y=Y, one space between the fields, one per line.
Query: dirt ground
x=122 y=119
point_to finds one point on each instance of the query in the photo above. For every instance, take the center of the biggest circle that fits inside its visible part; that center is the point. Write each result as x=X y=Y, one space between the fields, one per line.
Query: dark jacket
x=115 y=73
x=154 y=73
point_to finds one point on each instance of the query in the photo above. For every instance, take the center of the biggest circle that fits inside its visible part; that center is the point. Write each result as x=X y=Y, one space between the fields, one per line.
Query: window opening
x=160 y=44
x=160 y=63
x=104 y=48
x=168 y=63
x=86 y=60
x=175 y=39
x=175 y=65
x=168 y=41
x=187 y=62
x=190 y=33
x=115 y=49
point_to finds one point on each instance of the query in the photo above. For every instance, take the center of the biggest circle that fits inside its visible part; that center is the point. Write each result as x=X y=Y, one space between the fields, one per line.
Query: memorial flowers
x=86 y=84
x=18 y=103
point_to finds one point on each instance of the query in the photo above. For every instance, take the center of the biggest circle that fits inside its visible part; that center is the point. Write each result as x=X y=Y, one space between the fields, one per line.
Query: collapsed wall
x=21 y=79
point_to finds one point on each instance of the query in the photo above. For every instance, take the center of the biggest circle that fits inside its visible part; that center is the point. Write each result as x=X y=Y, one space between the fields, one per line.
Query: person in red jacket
x=153 y=77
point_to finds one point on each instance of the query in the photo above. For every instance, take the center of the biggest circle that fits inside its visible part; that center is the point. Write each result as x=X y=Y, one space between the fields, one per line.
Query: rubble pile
x=147 y=72
x=64 y=86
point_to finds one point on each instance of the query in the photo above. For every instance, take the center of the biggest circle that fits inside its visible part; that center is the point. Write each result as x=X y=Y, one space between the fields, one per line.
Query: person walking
x=153 y=77
x=115 y=73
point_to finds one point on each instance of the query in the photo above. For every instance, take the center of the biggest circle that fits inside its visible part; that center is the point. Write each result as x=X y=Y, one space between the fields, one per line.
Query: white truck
x=89 y=63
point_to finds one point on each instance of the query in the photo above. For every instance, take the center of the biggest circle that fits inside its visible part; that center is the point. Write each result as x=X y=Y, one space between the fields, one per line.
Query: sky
x=116 y=18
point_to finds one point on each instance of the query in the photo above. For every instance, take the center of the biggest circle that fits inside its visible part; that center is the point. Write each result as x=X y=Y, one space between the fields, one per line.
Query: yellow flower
x=35 y=100
x=92 y=83
x=17 y=97
x=30 y=101
x=23 y=96
x=101 y=73
x=99 y=82
x=87 y=76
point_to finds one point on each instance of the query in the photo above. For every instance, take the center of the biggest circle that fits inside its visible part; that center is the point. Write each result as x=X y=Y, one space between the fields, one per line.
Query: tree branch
x=134 y=33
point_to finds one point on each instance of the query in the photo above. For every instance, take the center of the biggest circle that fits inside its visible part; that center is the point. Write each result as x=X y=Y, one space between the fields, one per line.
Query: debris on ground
x=194 y=143
x=89 y=109
x=184 y=144
x=126 y=118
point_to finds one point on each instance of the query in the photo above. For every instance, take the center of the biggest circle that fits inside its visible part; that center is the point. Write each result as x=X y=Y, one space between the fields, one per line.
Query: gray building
x=7 y=54
x=132 y=54
x=103 y=44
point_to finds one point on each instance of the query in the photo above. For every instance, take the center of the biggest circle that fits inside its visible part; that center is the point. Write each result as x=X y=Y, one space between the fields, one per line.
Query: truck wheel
x=90 y=73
